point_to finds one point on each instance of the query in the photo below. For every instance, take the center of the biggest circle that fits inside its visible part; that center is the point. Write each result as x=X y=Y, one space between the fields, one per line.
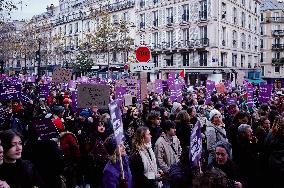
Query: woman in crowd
x=215 y=131
x=223 y=161
x=143 y=161
x=116 y=173
x=16 y=172
x=183 y=128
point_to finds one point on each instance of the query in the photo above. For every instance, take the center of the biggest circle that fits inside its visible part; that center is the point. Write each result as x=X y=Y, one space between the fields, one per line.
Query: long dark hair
x=6 y=138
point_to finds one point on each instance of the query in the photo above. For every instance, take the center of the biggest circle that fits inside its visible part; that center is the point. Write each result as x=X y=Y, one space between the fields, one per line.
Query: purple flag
x=195 y=145
x=250 y=96
x=74 y=101
x=119 y=92
x=116 y=121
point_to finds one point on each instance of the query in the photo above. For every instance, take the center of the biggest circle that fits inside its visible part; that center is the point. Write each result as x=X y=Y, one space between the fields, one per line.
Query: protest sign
x=45 y=129
x=159 y=86
x=119 y=93
x=127 y=100
x=10 y=91
x=115 y=115
x=43 y=90
x=131 y=84
x=250 y=96
x=90 y=95
x=210 y=86
x=240 y=77
x=195 y=145
x=143 y=85
x=61 y=75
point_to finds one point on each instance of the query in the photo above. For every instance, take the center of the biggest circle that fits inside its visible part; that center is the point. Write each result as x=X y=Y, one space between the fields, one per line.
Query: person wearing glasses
x=223 y=161
x=215 y=131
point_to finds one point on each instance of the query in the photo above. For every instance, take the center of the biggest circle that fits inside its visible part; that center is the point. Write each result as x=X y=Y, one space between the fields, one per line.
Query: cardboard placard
x=143 y=85
x=91 y=94
x=127 y=100
x=131 y=84
x=61 y=75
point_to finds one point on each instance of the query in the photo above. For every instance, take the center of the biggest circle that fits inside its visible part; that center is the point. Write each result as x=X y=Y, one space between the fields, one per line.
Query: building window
x=224 y=33
x=277 y=55
x=255 y=7
x=170 y=18
x=60 y=30
x=185 y=37
x=249 y=42
x=243 y=19
x=170 y=60
x=170 y=41
x=203 y=32
x=243 y=38
x=277 y=69
x=155 y=60
x=76 y=27
x=203 y=10
x=155 y=18
x=249 y=22
x=262 y=70
x=235 y=16
x=261 y=57
x=235 y=39
x=243 y=2
x=255 y=43
x=114 y=57
x=185 y=15
x=155 y=2
x=223 y=59
x=255 y=24
x=18 y=63
x=70 y=29
x=224 y=10
x=185 y=59
x=65 y=28
x=142 y=3
x=242 y=60
x=76 y=42
x=203 y=59
x=142 y=21
x=234 y=60
x=261 y=17
x=87 y=26
x=155 y=39
x=125 y=17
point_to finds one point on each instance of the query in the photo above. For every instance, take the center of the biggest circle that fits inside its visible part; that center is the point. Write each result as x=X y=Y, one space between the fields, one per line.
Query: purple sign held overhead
x=210 y=86
x=195 y=145
x=265 y=91
x=250 y=96
x=119 y=92
x=159 y=86
x=43 y=90
x=116 y=121
x=10 y=91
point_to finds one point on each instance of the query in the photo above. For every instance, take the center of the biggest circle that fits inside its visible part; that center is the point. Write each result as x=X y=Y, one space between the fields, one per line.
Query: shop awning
x=258 y=81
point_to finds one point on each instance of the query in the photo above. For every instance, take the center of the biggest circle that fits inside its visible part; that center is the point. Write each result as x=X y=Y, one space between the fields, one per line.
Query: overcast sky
x=31 y=8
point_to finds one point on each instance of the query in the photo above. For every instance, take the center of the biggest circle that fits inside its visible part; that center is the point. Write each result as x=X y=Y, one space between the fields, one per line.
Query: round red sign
x=143 y=54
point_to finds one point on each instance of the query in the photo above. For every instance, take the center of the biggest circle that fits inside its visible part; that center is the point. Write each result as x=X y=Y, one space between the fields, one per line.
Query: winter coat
x=167 y=152
x=214 y=134
x=21 y=174
x=180 y=176
x=112 y=174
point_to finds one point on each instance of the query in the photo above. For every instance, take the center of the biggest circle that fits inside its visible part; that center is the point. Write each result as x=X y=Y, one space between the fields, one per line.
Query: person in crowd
x=223 y=161
x=193 y=115
x=154 y=125
x=98 y=155
x=2 y=183
x=262 y=130
x=164 y=115
x=116 y=173
x=15 y=171
x=68 y=115
x=167 y=149
x=143 y=163
x=183 y=127
x=215 y=131
x=167 y=103
x=246 y=154
x=58 y=112
x=155 y=105
x=180 y=173
x=176 y=108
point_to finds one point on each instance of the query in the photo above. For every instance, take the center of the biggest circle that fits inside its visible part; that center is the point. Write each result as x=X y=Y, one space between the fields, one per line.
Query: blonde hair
x=139 y=138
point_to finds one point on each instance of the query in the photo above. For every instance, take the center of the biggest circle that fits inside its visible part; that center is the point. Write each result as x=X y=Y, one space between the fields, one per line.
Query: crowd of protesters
x=242 y=147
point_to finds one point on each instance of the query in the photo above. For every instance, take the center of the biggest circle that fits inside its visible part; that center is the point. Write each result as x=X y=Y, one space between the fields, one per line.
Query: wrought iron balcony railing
x=279 y=33
x=278 y=46
x=275 y=19
x=183 y=44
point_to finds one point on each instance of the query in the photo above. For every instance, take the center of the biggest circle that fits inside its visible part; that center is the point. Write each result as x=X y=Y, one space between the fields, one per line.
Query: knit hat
x=176 y=105
x=213 y=113
x=110 y=145
x=226 y=145
x=57 y=110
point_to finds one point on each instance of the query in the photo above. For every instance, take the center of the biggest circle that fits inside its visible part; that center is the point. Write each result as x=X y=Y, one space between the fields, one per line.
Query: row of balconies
x=278 y=33
x=170 y=20
x=183 y=44
x=275 y=19
x=117 y=6
x=278 y=46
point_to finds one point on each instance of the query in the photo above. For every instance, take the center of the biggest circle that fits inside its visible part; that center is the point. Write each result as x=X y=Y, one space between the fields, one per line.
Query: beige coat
x=165 y=154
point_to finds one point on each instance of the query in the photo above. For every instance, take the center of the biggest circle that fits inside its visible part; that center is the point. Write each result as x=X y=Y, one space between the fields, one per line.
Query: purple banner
x=115 y=115
x=165 y=86
x=45 y=129
x=210 y=86
x=10 y=91
x=43 y=90
x=265 y=91
x=195 y=145
x=74 y=101
x=159 y=86
x=250 y=96
x=119 y=92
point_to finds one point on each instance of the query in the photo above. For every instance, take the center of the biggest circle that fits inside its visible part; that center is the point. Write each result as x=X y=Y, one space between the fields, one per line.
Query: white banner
x=142 y=67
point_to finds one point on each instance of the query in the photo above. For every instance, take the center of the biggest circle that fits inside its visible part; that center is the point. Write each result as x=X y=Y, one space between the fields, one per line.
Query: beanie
x=213 y=113
x=110 y=145
x=176 y=105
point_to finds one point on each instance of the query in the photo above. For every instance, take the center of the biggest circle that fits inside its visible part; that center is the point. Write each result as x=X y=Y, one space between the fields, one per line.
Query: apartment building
x=272 y=42
x=210 y=39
